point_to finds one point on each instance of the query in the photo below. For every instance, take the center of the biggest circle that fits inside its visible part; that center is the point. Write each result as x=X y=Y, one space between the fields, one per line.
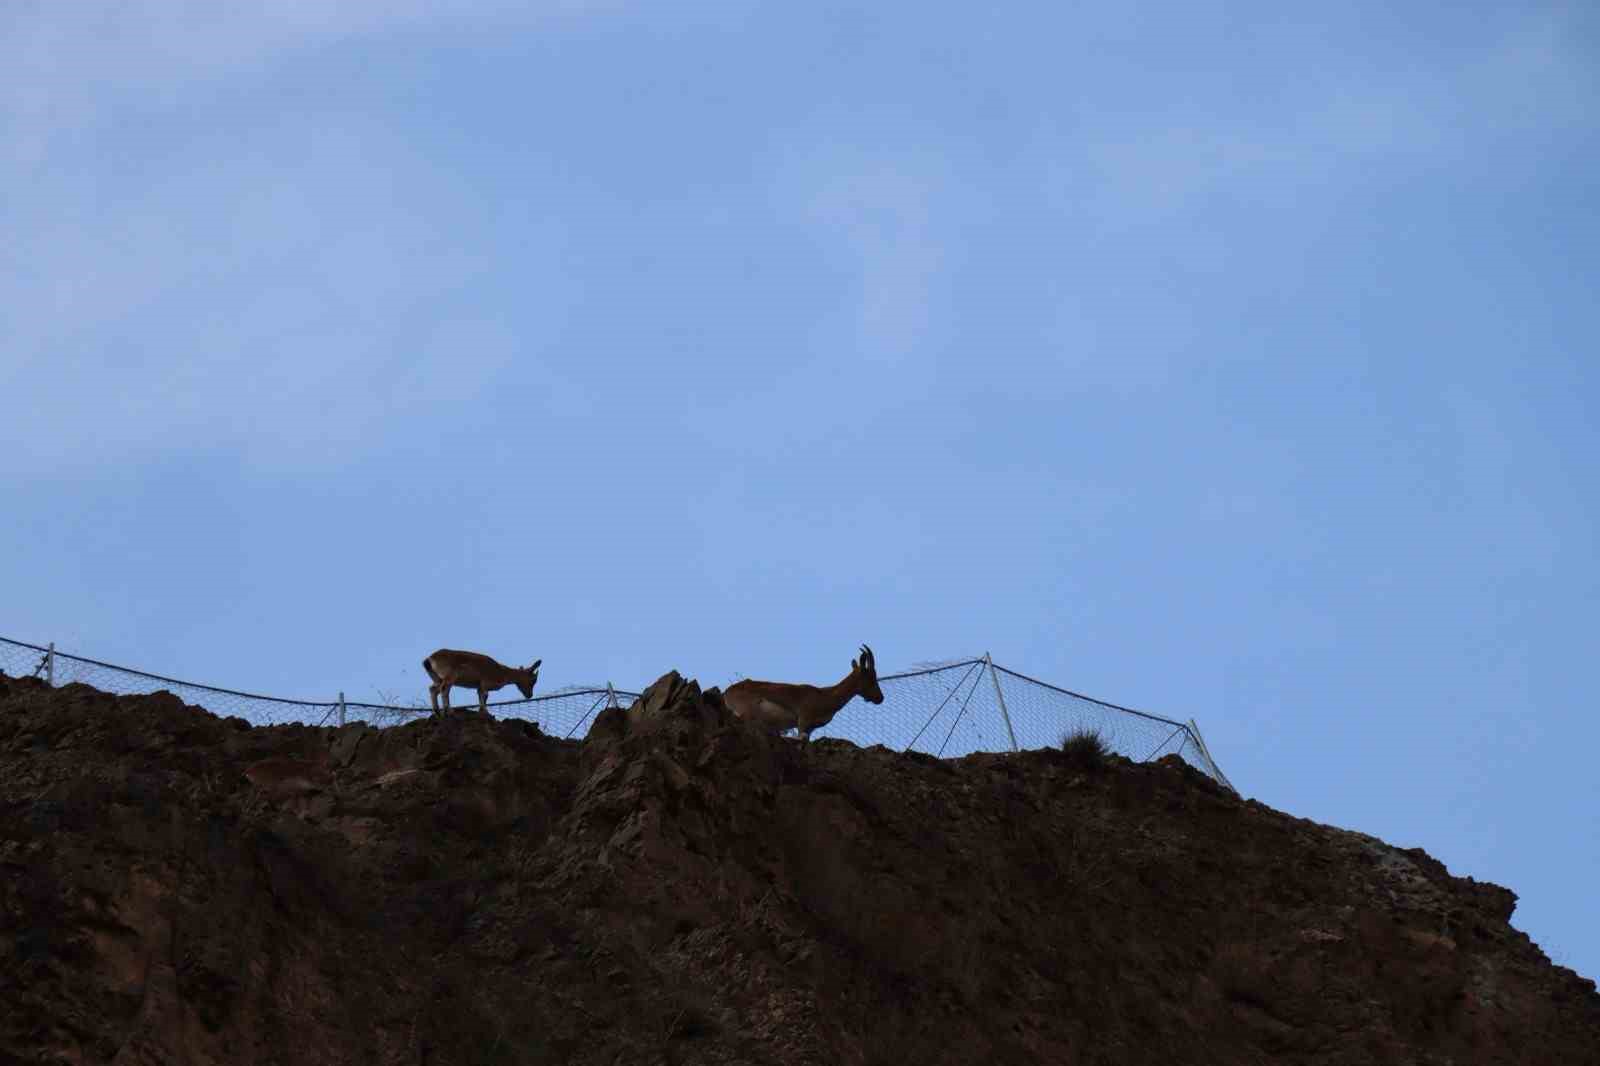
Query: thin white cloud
x=1343 y=124
x=886 y=215
x=68 y=64
x=1533 y=79
x=1540 y=76
x=1156 y=173
x=288 y=300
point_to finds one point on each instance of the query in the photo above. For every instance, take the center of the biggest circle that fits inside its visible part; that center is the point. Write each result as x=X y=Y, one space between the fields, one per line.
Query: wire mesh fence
x=946 y=710
x=565 y=712
x=957 y=708
x=19 y=659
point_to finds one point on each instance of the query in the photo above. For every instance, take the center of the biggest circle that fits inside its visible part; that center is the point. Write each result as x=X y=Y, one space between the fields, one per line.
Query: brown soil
x=680 y=889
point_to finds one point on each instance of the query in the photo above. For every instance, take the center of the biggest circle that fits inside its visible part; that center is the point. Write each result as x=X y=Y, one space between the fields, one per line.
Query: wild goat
x=468 y=669
x=776 y=706
x=284 y=777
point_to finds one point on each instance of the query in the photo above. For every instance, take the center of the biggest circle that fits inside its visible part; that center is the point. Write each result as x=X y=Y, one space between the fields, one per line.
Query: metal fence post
x=50 y=665
x=341 y=710
x=1003 y=712
x=1216 y=771
x=611 y=697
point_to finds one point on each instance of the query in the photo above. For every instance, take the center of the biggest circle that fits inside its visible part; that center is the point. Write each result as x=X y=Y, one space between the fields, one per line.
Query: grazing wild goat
x=284 y=777
x=776 y=707
x=468 y=669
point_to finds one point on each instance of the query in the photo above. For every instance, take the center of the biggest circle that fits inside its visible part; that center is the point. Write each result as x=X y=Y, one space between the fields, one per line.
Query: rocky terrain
x=680 y=889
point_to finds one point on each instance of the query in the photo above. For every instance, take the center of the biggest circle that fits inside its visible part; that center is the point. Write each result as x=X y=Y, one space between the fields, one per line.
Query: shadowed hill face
x=681 y=888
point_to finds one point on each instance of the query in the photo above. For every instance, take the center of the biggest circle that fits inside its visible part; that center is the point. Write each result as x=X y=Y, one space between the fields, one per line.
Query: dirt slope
x=680 y=889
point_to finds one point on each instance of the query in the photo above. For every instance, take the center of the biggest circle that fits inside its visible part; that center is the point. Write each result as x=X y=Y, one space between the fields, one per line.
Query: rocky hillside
x=679 y=889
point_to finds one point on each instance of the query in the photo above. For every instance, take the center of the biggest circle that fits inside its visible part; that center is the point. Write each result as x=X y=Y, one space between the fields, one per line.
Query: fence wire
x=566 y=712
x=958 y=708
x=19 y=659
x=946 y=710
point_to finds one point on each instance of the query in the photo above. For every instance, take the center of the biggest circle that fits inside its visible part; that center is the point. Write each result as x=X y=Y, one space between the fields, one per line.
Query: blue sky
x=1230 y=361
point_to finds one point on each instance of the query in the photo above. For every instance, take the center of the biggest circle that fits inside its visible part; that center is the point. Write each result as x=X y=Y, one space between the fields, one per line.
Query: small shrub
x=1085 y=750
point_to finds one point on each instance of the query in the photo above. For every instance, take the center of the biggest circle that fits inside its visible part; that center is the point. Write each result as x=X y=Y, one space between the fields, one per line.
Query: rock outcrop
x=678 y=888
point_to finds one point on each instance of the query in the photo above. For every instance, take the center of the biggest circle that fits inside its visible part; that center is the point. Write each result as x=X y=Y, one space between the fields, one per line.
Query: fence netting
x=954 y=709
x=20 y=660
x=566 y=712
x=946 y=709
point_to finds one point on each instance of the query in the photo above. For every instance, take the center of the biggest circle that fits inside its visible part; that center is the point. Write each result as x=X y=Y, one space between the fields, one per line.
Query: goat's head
x=866 y=671
x=526 y=687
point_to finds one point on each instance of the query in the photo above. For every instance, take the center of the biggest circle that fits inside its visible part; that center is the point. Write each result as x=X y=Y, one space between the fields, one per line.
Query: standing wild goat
x=285 y=778
x=468 y=669
x=776 y=707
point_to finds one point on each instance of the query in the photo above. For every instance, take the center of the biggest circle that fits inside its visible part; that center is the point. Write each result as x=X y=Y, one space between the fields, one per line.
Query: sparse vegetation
x=398 y=711
x=1085 y=749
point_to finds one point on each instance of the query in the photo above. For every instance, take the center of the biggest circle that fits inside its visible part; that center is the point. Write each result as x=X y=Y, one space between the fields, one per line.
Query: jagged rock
x=678 y=887
x=606 y=733
x=346 y=741
x=658 y=695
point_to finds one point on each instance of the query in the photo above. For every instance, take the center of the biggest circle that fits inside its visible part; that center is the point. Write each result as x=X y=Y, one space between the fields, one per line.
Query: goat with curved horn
x=776 y=706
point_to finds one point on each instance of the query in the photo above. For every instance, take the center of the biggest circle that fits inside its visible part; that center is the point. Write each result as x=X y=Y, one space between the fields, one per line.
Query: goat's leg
x=433 y=684
x=483 y=700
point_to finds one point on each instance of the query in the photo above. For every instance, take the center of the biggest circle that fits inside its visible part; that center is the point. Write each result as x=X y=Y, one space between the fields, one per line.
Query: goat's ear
x=535 y=665
x=854 y=665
